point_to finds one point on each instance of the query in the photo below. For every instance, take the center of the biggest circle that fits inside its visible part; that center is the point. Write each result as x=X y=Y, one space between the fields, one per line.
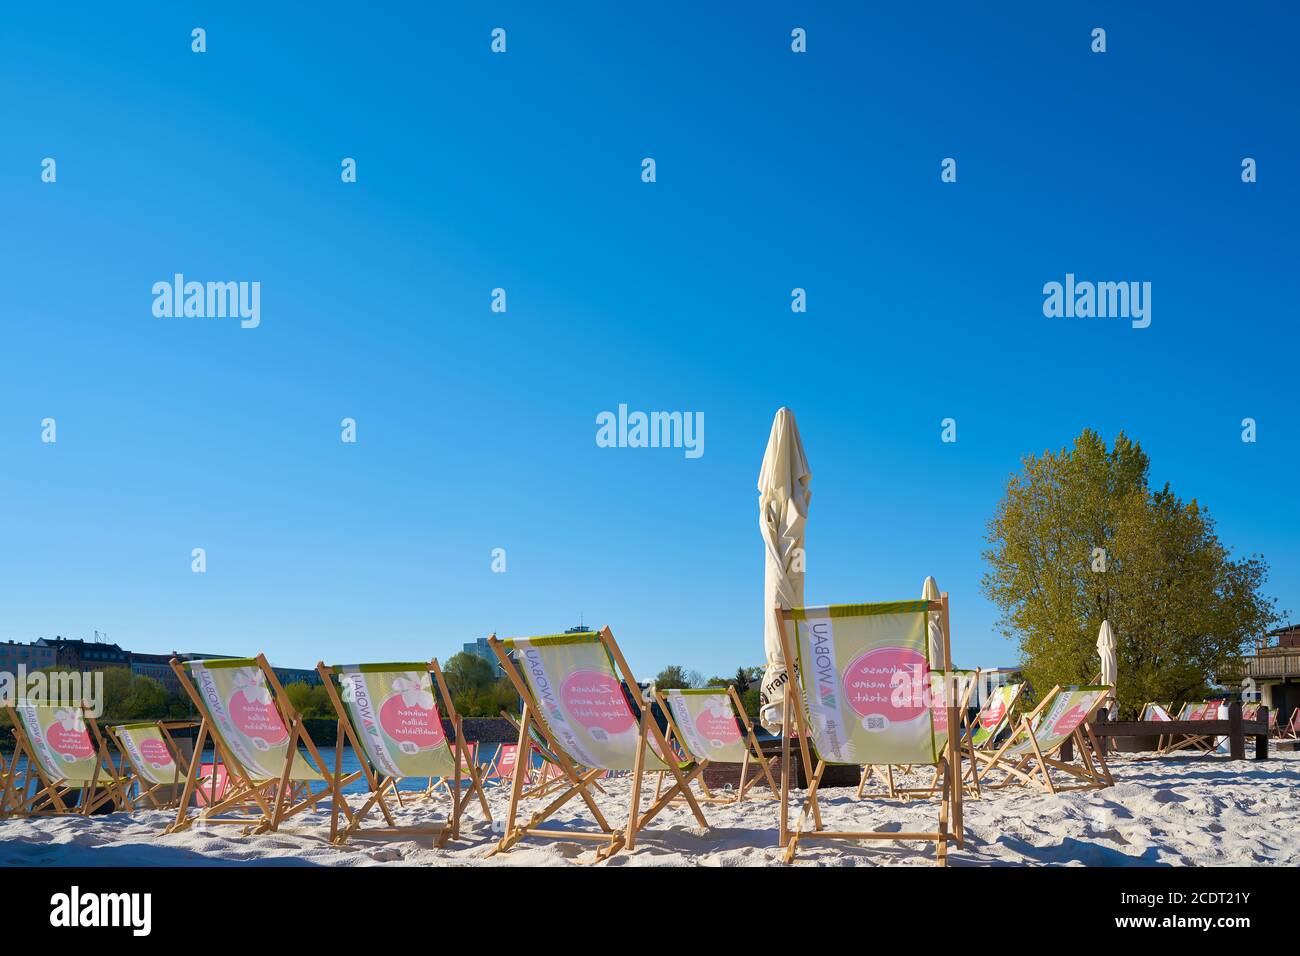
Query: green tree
x=145 y=699
x=673 y=677
x=468 y=677
x=488 y=701
x=1080 y=537
x=130 y=696
x=310 y=700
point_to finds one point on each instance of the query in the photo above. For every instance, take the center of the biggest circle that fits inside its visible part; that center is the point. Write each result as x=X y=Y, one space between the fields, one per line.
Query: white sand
x=1174 y=811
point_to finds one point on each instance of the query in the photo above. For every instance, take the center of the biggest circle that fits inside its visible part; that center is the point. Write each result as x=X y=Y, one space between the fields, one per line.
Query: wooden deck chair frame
x=47 y=797
x=260 y=806
x=379 y=785
x=490 y=767
x=795 y=720
x=146 y=790
x=469 y=756
x=579 y=783
x=1176 y=742
x=1008 y=721
x=965 y=747
x=493 y=772
x=543 y=782
x=1161 y=739
x=1034 y=767
x=6 y=784
x=753 y=752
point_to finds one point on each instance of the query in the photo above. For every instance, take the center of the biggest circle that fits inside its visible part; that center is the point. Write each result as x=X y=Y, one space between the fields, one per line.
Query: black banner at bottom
x=177 y=906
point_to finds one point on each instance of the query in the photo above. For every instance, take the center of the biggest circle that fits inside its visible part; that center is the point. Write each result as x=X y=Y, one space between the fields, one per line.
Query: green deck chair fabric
x=864 y=678
x=149 y=753
x=1156 y=712
x=581 y=700
x=242 y=708
x=394 y=712
x=706 y=725
x=995 y=714
x=1069 y=707
x=61 y=743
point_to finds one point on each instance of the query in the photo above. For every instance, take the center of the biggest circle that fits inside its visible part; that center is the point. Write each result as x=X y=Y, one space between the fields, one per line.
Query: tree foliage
x=1181 y=605
x=310 y=700
x=477 y=688
x=674 y=677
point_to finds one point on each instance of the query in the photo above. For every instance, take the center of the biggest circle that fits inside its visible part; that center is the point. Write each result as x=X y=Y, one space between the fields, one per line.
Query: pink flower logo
x=887 y=686
x=410 y=716
x=716 y=724
x=155 y=754
x=595 y=700
x=67 y=736
x=253 y=712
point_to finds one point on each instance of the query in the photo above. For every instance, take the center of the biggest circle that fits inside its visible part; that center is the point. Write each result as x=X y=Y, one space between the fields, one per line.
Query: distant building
x=78 y=655
x=31 y=656
x=479 y=648
x=296 y=675
x=1273 y=671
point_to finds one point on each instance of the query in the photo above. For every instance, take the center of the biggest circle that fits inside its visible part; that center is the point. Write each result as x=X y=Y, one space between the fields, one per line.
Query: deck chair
x=1192 y=710
x=502 y=766
x=984 y=732
x=864 y=697
x=707 y=724
x=994 y=716
x=468 y=759
x=572 y=693
x=5 y=784
x=488 y=769
x=1033 y=750
x=955 y=685
x=255 y=733
x=1157 y=713
x=390 y=715
x=64 y=754
x=213 y=783
x=154 y=761
x=549 y=776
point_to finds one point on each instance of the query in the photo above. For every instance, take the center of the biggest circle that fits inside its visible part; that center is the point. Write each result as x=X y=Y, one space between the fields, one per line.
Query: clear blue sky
x=476 y=430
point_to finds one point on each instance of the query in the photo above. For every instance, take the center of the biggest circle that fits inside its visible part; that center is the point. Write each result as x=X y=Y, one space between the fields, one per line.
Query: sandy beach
x=1173 y=811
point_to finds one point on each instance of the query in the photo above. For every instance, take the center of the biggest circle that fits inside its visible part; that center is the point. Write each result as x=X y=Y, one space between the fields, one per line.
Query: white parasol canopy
x=1109 y=664
x=782 y=514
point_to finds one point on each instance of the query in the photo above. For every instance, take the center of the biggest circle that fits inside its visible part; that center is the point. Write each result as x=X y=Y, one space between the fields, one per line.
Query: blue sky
x=522 y=171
